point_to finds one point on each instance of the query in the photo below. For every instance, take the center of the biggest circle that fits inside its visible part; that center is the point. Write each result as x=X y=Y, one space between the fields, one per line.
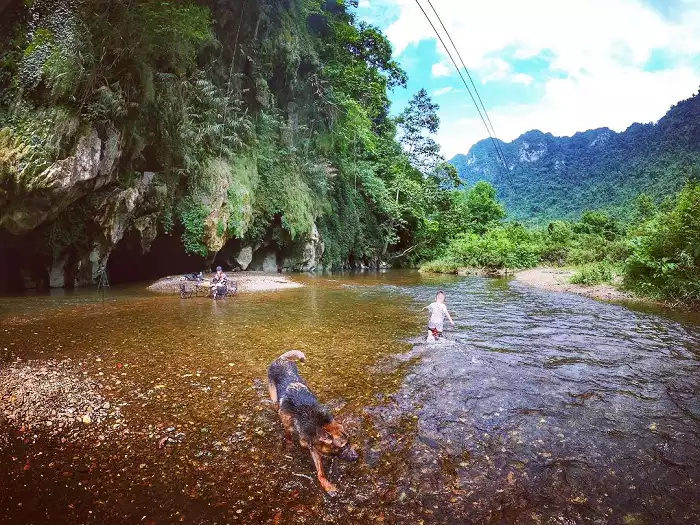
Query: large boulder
x=307 y=256
x=244 y=257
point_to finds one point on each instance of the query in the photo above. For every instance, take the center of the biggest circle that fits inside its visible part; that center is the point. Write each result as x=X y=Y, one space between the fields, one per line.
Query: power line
x=488 y=130
x=471 y=80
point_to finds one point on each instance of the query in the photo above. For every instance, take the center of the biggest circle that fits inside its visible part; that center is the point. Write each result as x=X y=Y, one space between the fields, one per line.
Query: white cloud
x=494 y=69
x=441 y=70
x=521 y=78
x=576 y=32
x=571 y=105
x=597 y=50
x=443 y=91
x=363 y=4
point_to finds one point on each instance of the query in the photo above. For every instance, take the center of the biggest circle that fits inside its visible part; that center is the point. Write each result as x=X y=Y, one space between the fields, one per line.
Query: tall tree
x=416 y=125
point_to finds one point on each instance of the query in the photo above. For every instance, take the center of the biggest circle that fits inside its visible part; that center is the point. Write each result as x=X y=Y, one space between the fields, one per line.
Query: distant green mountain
x=552 y=177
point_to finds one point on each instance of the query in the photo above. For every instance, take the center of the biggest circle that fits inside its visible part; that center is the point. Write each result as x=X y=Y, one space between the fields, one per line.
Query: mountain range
x=552 y=177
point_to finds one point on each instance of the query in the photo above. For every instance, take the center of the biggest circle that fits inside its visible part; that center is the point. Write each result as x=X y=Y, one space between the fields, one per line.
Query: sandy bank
x=557 y=280
x=247 y=282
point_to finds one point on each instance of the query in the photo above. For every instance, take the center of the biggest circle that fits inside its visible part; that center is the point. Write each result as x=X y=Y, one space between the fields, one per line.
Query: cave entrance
x=128 y=264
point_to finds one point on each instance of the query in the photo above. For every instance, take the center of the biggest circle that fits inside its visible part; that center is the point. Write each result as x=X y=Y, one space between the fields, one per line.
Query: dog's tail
x=294 y=354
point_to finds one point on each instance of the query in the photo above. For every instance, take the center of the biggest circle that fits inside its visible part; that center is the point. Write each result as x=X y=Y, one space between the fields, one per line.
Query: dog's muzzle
x=348 y=454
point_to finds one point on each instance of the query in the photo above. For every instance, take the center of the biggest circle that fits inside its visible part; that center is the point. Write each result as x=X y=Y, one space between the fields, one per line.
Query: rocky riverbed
x=54 y=398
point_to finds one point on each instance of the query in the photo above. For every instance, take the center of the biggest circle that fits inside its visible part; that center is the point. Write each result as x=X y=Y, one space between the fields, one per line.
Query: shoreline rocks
x=246 y=281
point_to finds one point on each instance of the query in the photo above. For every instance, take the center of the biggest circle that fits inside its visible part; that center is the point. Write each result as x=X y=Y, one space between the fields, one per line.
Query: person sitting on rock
x=218 y=283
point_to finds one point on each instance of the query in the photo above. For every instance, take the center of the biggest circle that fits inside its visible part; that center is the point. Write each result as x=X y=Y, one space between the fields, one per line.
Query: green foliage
x=440 y=266
x=644 y=208
x=192 y=215
x=598 y=223
x=506 y=246
x=665 y=258
x=592 y=274
x=484 y=209
x=417 y=122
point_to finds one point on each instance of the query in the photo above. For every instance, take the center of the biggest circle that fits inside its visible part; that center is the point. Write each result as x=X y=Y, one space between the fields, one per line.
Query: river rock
x=244 y=257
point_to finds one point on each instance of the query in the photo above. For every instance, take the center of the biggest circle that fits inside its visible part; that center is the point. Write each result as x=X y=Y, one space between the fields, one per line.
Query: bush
x=592 y=274
x=506 y=246
x=440 y=266
x=587 y=248
x=665 y=258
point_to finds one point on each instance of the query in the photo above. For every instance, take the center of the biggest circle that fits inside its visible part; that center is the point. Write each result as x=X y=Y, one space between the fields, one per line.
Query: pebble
x=87 y=419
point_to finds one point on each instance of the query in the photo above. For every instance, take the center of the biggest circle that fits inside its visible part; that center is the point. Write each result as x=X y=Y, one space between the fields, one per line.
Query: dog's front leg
x=318 y=461
x=272 y=390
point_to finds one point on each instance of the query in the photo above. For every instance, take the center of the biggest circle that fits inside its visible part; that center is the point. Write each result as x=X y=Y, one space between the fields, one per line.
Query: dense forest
x=157 y=136
x=561 y=177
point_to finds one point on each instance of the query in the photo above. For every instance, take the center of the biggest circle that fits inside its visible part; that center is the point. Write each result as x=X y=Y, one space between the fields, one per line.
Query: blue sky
x=557 y=65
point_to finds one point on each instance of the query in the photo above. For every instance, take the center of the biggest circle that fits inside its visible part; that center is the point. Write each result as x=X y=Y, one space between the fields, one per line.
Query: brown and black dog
x=301 y=413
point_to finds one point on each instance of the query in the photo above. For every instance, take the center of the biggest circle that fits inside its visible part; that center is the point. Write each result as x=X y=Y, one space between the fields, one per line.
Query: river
x=540 y=407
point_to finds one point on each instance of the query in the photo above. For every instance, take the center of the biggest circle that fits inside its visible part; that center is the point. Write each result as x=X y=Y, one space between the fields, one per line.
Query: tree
x=644 y=208
x=417 y=122
x=484 y=208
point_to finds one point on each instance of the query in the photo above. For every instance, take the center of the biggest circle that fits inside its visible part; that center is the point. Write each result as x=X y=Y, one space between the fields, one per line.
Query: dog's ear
x=324 y=437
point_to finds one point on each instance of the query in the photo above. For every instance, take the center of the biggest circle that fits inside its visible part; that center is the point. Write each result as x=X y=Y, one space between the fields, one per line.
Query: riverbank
x=246 y=281
x=557 y=280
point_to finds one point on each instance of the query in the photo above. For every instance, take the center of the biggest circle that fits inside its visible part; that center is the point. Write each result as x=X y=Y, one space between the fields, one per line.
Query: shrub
x=192 y=216
x=591 y=274
x=587 y=248
x=440 y=266
x=665 y=258
x=506 y=246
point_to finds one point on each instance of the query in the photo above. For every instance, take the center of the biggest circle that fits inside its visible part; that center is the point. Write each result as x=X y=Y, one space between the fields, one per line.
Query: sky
x=560 y=66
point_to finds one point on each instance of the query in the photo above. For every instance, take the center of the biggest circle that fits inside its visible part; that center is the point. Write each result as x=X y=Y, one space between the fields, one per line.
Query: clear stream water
x=541 y=408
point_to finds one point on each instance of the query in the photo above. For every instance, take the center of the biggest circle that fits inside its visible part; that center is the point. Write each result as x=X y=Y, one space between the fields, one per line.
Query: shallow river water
x=540 y=407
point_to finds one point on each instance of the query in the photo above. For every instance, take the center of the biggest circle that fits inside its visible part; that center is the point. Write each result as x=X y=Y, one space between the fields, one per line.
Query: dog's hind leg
x=287 y=420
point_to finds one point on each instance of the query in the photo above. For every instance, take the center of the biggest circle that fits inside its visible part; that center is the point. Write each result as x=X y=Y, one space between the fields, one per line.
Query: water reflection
x=543 y=408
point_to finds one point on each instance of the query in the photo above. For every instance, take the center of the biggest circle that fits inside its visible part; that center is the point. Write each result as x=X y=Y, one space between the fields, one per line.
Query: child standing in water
x=438 y=312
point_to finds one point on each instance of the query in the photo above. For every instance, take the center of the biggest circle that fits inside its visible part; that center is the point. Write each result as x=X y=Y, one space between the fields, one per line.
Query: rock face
x=74 y=214
x=270 y=262
x=308 y=256
x=117 y=211
x=64 y=182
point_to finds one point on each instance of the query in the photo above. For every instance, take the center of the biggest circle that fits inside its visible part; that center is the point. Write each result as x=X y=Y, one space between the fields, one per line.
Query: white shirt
x=438 y=311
